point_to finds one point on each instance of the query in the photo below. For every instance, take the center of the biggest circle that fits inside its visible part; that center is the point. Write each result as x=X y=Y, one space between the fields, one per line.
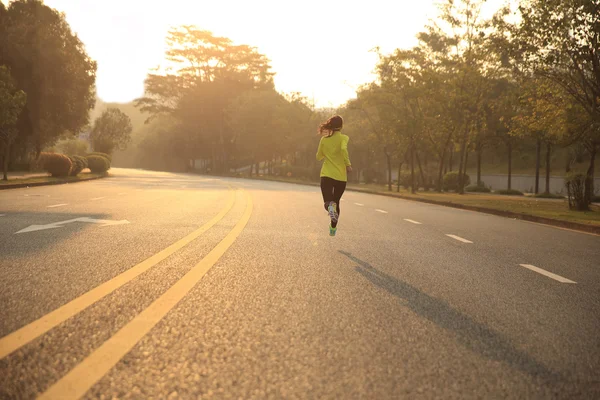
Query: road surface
x=158 y=285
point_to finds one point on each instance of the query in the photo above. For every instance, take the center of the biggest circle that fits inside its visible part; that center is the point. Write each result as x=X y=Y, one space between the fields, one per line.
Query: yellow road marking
x=26 y=334
x=81 y=378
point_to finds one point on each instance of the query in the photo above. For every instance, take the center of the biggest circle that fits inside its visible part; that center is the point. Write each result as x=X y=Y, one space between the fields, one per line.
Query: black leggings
x=332 y=190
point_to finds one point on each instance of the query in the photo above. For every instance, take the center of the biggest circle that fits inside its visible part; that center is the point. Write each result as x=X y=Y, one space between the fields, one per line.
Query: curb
x=501 y=213
x=34 y=184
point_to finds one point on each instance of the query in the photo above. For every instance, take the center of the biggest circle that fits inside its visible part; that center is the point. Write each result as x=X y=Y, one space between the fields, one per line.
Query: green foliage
x=79 y=164
x=73 y=146
x=548 y=196
x=477 y=189
x=509 y=192
x=112 y=130
x=58 y=165
x=575 y=184
x=98 y=164
x=97 y=153
x=12 y=102
x=50 y=64
x=450 y=181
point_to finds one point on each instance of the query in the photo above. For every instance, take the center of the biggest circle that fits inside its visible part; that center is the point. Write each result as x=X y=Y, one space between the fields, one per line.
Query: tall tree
x=50 y=64
x=111 y=131
x=206 y=74
x=12 y=102
x=560 y=41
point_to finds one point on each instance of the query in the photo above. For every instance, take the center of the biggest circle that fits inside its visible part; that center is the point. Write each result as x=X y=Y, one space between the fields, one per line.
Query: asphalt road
x=156 y=285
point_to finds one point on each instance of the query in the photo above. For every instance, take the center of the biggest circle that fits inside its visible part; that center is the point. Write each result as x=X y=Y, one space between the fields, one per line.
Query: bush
x=73 y=146
x=450 y=181
x=79 y=164
x=548 y=196
x=509 y=192
x=98 y=164
x=575 y=183
x=477 y=189
x=97 y=153
x=58 y=165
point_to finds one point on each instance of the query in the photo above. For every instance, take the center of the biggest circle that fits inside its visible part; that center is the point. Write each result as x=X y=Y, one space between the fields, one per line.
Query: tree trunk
x=389 y=169
x=538 y=148
x=412 y=168
x=465 y=172
x=420 y=169
x=399 y=174
x=479 y=153
x=438 y=186
x=509 y=165
x=548 y=154
x=450 y=160
x=589 y=179
x=461 y=165
x=5 y=161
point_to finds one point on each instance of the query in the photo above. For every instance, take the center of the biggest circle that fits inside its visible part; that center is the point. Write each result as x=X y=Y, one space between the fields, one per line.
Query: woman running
x=333 y=148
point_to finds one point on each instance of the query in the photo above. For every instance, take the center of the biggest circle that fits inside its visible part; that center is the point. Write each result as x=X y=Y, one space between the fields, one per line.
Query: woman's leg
x=327 y=191
x=338 y=191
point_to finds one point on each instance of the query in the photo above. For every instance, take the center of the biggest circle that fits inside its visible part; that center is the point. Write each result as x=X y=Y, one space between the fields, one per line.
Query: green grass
x=526 y=205
x=509 y=192
x=50 y=179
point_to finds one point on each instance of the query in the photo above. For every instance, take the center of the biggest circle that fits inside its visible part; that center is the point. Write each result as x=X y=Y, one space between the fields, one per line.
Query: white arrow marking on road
x=459 y=239
x=103 y=222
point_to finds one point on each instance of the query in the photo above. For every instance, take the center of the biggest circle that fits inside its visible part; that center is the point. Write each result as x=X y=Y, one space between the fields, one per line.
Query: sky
x=320 y=48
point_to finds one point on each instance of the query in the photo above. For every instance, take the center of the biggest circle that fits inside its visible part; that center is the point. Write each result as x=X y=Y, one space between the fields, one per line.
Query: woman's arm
x=320 y=154
x=345 y=151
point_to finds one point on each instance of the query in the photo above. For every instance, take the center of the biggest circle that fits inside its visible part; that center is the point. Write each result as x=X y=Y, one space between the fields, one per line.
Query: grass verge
x=48 y=180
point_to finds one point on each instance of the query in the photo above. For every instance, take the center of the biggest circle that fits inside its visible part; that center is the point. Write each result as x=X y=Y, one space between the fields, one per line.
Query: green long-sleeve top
x=334 y=150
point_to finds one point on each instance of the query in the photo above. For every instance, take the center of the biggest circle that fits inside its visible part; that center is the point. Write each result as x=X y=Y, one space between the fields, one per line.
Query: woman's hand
x=349 y=169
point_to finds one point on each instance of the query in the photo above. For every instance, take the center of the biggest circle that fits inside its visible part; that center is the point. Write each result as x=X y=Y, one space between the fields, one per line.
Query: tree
x=12 y=102
x=560 y=41
x=50 y=64
x=208 y=73
x=112 y=130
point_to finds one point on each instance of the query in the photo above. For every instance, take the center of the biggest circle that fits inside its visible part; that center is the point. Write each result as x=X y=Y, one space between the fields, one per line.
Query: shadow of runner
x=471 y=334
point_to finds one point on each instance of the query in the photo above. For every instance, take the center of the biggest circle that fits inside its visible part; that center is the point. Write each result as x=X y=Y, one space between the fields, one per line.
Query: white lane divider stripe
x=413 y=222
x=459 y=238
x=546 y=273
x=359 y=204
x=58 y=205
x=98 y=198
x=381 y=211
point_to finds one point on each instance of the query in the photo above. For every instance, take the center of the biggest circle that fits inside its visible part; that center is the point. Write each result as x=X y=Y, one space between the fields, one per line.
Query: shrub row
x=60 y=165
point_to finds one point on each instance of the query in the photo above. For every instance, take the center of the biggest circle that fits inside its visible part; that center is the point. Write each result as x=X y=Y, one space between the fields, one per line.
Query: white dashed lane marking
x=459 y=238
x=381 y=211
x=546 y=273
x=58 y=205
x=413 y=222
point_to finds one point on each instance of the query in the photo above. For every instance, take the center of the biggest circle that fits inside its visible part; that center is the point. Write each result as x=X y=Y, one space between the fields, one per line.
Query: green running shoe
x=332 y=230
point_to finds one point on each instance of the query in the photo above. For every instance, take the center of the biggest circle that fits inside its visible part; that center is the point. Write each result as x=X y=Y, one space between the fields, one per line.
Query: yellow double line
x=81 y=378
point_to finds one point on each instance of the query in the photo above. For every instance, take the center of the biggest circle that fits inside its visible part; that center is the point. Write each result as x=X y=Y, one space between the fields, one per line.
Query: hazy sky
x=317 y=47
